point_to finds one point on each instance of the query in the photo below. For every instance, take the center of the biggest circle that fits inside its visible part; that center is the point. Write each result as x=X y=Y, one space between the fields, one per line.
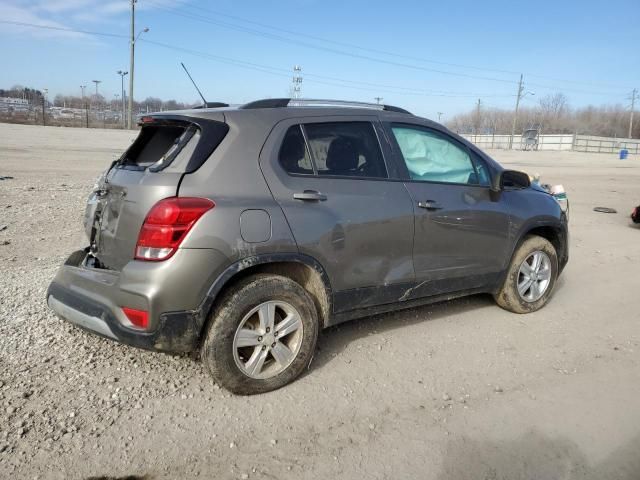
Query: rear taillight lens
x=166 y=225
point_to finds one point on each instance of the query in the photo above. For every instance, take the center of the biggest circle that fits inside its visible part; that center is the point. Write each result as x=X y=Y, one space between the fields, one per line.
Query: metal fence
x=567 y=142
x=590 y=143
x=63 y=117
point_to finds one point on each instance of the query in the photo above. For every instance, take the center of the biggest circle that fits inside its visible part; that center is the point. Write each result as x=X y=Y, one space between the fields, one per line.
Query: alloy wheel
x=534 y=276
x=268 y=339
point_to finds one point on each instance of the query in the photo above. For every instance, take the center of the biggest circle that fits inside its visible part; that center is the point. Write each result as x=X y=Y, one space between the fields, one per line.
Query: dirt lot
x=462 y=390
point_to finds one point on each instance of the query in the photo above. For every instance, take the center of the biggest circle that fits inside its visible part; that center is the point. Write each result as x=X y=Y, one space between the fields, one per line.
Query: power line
x=326 y=49
x=285 y=73
x=334 y=42
x=63 y=29
x=378 y=51
x=263 y=68
x=408 y=90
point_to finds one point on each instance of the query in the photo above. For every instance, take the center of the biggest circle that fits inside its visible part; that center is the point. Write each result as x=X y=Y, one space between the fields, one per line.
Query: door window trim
x=308 y=150
x=403 y=166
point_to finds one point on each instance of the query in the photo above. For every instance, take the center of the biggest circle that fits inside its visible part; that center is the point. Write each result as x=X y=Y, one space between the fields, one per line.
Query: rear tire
x=531 y=276
x=244 y=352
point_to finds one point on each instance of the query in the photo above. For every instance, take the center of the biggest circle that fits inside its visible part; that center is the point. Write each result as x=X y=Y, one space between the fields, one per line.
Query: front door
x=332 y=182
x=461 y=232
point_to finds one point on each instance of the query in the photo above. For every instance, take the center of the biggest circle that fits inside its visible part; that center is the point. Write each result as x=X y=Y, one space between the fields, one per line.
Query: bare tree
x=554 y=114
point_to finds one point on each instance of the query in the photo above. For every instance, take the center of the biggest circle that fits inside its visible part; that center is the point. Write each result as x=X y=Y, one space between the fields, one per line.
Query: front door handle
x=430 y=205
x=310 y=196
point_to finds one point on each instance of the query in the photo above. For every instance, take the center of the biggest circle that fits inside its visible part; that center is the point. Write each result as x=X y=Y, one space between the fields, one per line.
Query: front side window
x=346 y=149
x=430 y=156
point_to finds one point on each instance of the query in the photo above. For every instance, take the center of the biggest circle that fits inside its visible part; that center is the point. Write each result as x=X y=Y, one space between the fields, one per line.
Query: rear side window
x=345 y=149
x=294 y=156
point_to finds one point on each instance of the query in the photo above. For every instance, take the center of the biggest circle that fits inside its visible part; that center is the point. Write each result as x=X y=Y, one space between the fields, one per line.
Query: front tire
x=531 y=276
x=262 y=335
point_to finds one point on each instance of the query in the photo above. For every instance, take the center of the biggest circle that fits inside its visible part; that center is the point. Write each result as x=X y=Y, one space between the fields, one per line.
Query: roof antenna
x=204 y=102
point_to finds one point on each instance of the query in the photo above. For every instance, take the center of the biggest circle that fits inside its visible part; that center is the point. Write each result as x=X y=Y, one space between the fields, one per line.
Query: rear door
x=151 y=168
x=346 y=206
x=461 y=229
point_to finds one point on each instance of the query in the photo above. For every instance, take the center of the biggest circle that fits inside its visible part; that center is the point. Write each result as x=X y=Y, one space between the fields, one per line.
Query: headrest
x=342 y=155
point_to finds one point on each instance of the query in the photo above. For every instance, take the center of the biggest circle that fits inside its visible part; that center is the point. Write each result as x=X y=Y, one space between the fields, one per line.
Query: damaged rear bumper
x=177 y=331
x=93 y=298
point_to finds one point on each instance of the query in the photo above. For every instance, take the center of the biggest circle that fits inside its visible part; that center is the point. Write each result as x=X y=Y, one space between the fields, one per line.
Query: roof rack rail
x=311 y=102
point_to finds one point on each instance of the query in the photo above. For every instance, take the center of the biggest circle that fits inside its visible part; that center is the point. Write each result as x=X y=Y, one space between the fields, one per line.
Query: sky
x=425 y=56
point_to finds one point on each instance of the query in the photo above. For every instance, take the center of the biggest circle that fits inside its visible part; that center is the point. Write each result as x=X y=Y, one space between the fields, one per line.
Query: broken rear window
x=174 y=144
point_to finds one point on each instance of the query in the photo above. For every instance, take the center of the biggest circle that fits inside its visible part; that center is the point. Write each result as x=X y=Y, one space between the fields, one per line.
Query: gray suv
x=242 y=231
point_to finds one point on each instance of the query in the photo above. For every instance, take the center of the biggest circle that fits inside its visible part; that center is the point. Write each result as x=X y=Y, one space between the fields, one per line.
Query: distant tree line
x=18 y=91
x=93 y=101
x=552 y=114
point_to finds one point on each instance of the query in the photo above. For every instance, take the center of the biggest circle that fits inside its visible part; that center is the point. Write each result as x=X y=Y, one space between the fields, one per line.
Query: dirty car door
x=332 y=183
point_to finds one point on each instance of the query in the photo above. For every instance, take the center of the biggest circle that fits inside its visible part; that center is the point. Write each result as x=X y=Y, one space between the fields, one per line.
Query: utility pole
x=131 y=62
x=378 y=100
x=97 y=82
x=478 y=123
x=439 y=115
x=44 y=100
x=634 y=97
x=515 y=115
x=134 y=39
x=124 y=113
x=84 y=100
x=296 y=82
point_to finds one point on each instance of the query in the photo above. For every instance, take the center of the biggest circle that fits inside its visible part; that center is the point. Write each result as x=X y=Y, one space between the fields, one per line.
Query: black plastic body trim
x=212 y=105
x=245 y=263
x=397 y=294
x=391 y=108
x=267 y=103
x=342 y=317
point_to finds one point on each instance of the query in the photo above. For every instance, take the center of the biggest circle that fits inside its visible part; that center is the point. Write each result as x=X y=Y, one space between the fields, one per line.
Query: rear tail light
x=138 y=318
x=166 y=225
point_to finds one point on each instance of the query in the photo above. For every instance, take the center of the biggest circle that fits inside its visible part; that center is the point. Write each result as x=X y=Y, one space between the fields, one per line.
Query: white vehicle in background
x=66 y=113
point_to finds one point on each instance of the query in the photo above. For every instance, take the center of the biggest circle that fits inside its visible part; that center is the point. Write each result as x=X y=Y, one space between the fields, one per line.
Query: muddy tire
x=531 y=276
x=261 y=336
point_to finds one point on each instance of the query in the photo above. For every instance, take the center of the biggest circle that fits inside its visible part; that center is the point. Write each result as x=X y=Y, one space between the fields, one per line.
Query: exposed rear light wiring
x=166 y=226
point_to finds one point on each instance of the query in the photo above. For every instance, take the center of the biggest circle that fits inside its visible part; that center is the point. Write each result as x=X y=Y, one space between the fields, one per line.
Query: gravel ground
x=461 y=390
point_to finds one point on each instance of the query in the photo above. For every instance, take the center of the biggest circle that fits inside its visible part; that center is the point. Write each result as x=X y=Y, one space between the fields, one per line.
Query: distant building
x=10 y=104
x=14 y=101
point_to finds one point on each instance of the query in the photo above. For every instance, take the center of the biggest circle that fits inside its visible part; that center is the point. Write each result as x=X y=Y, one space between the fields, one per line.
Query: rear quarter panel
x=232 y=178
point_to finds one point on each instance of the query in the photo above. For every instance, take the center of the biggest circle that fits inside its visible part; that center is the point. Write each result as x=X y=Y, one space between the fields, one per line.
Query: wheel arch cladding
x=551 y=233
x=303 y=269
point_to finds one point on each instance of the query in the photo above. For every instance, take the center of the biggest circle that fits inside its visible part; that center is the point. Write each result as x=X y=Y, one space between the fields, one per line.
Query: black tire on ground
x=508 y=296
x=217 y=351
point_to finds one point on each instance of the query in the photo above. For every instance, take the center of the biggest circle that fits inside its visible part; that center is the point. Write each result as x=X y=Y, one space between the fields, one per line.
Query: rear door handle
x=430 y=205
x=310 y=196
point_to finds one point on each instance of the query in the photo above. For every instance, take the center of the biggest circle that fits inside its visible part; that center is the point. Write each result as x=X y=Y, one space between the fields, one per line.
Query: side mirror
x=510 y=180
